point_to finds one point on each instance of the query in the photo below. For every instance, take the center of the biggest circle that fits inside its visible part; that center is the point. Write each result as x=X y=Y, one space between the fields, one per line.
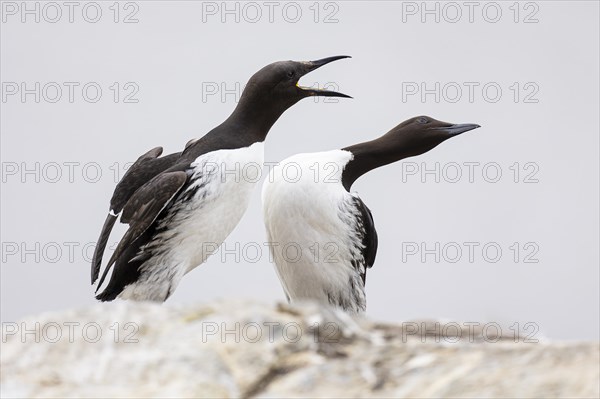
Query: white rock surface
x=242 y=349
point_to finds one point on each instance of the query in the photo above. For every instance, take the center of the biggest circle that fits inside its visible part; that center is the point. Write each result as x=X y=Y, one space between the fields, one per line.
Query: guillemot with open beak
x=176 y=204
x=321 y=235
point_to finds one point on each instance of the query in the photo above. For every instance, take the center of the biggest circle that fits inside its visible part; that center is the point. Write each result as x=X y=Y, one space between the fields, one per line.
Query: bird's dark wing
x=369 y=237
x=143 y=169
x=143 y=208
x=135 y=176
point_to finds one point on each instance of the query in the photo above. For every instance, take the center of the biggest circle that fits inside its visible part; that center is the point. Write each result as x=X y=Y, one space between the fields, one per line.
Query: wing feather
x=143 y=208
x=369 y=238
x=143 y=169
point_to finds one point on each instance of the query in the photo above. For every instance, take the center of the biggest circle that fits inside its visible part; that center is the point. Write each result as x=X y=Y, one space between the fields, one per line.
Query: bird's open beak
x=311 y=66
x=454 y=130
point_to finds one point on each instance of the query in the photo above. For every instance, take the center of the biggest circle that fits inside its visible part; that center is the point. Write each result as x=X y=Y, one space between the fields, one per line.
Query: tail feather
x=101 y=246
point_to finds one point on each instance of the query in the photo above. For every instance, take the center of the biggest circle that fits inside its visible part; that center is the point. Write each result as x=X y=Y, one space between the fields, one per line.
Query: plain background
x=172 y=55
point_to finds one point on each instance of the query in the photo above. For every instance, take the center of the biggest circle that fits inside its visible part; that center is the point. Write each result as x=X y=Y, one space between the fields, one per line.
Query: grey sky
x=540 y=132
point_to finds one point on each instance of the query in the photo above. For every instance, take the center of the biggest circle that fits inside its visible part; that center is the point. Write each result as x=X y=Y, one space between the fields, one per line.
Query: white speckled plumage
x=308 y=211
x=194 y=226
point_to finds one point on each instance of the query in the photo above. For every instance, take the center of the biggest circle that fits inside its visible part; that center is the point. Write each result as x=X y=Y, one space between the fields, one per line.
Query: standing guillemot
x=323 y=237
x=175 y=204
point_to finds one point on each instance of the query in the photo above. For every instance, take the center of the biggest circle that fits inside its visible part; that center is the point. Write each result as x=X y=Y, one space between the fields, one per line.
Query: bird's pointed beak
x=324 y=61
x=455 y=130
x=311 y=66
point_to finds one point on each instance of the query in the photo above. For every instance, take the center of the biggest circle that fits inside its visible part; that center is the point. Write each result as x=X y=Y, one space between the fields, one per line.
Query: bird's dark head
x=410 y=138
x=278 y=82
x=420 y=134
x=274 y=89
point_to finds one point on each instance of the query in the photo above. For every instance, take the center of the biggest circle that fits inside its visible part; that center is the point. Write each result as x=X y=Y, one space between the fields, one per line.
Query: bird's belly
x=313 y=247
x=205 y=229
x=323 y=272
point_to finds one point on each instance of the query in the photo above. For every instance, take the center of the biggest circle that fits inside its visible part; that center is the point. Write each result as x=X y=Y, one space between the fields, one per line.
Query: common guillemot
x=322 y=236
x=175 y=204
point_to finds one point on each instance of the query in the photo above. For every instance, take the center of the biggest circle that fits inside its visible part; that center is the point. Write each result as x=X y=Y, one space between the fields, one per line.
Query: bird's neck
x=253 y=117
x=249 y=123
x=372 y=154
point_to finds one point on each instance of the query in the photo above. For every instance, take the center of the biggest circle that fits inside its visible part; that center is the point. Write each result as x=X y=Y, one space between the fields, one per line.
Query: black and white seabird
x=322 y=236
x=175 y=204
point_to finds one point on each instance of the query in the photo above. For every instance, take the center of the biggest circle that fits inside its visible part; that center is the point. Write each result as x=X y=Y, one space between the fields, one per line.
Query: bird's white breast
x=310 y=218
x=222 y=186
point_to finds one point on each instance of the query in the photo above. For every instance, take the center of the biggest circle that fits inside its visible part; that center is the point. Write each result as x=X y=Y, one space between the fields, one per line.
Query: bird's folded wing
x=134 y=175
x=143 y=169
x=370 y=235
x=143 y=208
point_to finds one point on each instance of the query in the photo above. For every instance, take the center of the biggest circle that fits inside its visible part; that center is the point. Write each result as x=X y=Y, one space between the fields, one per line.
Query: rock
x=245 y=349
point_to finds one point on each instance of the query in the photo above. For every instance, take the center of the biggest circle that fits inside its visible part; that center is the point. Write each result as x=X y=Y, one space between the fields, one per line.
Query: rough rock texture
x=240 y=349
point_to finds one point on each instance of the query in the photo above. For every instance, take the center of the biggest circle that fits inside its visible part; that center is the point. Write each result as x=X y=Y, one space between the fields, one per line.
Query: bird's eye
x=422 y=120
x=290 y=74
